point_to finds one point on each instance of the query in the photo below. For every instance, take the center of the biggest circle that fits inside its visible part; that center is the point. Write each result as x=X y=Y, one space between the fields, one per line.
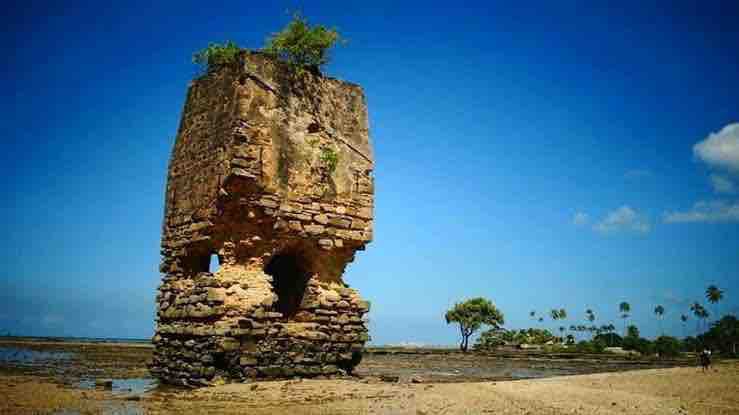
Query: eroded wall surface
x=272 y=173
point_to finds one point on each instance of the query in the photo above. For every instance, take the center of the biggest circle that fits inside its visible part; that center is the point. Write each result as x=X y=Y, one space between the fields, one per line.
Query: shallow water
x=19 y=355
x=130 y=386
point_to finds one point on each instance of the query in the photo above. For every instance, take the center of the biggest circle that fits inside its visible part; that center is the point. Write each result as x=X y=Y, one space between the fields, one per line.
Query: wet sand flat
x=655 y=391
x=53 y=377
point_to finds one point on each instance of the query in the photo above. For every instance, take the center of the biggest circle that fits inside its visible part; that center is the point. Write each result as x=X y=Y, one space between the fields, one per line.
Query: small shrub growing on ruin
x=217 y=55
x=329 y=159
x=302 y=46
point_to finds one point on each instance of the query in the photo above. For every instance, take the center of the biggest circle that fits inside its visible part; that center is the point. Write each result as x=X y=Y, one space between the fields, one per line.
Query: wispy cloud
x=673 y=301
x=720 y=149
x=714 y=211
x=624 y=218
x=722 y=184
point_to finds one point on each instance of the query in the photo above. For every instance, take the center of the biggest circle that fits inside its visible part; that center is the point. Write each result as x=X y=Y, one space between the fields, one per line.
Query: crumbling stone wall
x=251 y=179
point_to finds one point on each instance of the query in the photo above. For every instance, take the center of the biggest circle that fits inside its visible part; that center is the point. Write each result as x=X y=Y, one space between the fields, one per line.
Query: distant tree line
x=722 y=335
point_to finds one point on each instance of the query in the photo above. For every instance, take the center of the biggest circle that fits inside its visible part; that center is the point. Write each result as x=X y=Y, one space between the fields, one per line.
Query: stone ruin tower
x=272 y=173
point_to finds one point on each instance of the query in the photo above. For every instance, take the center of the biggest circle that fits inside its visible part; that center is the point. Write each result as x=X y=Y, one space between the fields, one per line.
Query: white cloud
x=623 y=218
x=711 y=211
x=581 y=219
x=720 y=149
x=722 y=184
x=409 y=345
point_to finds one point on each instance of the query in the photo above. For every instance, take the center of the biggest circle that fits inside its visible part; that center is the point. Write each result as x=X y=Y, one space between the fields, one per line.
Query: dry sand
x=655 y=391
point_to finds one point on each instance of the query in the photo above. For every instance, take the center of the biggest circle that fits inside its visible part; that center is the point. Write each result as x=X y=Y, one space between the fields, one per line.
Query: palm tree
x=554 y=314
x=625 y=309
x=714 y=296
x=698 y=311
x=659 y=311
x=704 y=314
x=684 y=319
x=590 y=316
x=609 y=329
x=562 y=314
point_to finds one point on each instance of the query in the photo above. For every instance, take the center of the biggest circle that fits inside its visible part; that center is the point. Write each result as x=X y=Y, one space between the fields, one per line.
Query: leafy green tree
x=714 y=295
x=659 y=311
x=471 y=315
x=632 y=331
x=667 y=346
x=594 y=346
x=490 y=339
x=609 y=338
x=691 y=344
x=633 y=341
x=605 y=333
x=723 y=335
x=625 y=309
x=302 y=46
x=496 y=337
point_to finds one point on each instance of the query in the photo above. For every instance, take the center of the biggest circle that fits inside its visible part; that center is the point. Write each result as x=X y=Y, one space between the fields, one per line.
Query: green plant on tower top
x=217 y=55
x=302 y=46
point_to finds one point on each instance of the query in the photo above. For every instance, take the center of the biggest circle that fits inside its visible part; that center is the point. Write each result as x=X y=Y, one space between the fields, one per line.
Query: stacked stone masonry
x=271 y=171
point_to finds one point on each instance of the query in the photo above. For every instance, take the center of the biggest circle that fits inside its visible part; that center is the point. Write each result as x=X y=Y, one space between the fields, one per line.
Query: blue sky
x=561 y=154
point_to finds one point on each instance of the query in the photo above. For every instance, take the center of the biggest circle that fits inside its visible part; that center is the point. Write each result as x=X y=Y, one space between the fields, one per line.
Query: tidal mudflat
x=84 y=377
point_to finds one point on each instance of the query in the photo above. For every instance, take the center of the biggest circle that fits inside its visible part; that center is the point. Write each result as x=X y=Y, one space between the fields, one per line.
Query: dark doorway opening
x=289 y=277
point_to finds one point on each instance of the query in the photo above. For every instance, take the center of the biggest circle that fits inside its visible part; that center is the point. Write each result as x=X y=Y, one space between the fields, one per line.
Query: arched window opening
x=289 y=279
x=215 y=263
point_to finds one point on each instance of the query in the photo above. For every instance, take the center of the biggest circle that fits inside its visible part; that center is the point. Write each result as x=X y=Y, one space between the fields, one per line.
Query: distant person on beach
x=705 y=359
